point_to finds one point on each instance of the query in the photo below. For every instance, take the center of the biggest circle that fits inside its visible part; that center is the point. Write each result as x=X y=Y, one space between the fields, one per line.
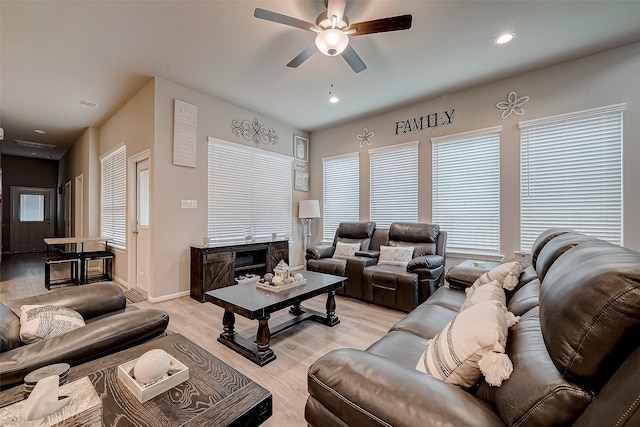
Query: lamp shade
x=309 y=209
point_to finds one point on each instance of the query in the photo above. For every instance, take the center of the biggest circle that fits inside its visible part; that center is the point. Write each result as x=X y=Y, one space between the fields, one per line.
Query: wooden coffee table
x=257 y=304
x=214 y=395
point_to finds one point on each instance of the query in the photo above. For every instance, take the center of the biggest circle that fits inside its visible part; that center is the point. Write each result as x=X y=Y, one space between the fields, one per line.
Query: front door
x=31 y=218
x=143 y=246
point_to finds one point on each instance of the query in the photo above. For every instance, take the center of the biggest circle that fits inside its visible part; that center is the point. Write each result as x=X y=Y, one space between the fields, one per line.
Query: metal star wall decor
x=512 y=105
x=365 y=138
x=254 y=131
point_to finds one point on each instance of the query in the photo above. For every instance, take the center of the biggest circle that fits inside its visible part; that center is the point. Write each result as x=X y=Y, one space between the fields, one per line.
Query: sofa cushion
x=9 y=329
x=355 y=232
x=345 y=250
x=426 y=320
x=543 y=238
x=525 y=298
x=41 y=322
x=471 y=345
x=423 y=237
x=536 y=394
x=400 y=347
x=555 y=248
x=399 y=256
x=590 y=311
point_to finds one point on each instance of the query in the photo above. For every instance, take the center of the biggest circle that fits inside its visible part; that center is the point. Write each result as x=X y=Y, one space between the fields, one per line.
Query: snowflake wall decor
x=365 y=138
x=512 y=105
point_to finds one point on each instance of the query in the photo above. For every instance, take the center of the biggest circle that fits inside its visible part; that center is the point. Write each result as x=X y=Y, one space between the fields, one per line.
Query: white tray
x=145 y=393
x=280 y=288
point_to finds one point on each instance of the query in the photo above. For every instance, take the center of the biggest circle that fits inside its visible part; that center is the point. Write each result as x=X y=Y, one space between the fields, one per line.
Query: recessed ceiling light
x=333 y=99
x=40 y=131
x=504 y=38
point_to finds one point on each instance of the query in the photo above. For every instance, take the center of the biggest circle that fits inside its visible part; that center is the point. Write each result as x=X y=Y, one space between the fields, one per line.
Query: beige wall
x=604 y=79
x=132 y=125
x=82 y=158
x=175 y=229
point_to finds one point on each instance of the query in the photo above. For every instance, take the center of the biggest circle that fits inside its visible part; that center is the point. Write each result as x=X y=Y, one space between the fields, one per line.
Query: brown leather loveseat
x=111 y=325
x=575 y=352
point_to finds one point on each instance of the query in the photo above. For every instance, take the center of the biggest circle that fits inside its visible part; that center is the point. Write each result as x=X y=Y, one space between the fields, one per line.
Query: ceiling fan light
x=332 y=42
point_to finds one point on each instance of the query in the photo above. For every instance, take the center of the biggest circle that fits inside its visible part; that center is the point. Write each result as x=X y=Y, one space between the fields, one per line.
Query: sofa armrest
x=319 y=252
x=86 y=343
x=426 y=261
x=368 y=254
x=364 y=389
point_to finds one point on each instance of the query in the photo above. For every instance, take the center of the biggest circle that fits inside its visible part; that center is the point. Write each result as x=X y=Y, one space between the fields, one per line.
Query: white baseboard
x=168 y=297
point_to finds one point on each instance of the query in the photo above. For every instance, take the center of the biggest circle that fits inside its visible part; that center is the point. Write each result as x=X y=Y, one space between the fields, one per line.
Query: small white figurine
x=43 y=400
x=151 y=366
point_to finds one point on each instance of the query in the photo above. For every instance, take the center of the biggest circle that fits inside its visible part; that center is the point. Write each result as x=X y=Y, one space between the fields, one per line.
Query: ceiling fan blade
x=284 y=19
x=353 y=59
x=336 y=7
x=394 y=23
x=303 y=56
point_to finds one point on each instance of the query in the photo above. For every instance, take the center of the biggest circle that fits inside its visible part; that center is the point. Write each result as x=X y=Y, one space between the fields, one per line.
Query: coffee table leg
x=228 y=323
x=264 y=335
x=296 y=309
x=332 y=319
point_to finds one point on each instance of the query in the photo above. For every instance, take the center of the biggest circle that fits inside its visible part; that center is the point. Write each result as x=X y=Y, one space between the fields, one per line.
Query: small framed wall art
x=301 y=180
x=300 y=148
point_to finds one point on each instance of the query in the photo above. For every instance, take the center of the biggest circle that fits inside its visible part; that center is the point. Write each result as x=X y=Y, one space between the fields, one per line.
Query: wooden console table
x=219 y=264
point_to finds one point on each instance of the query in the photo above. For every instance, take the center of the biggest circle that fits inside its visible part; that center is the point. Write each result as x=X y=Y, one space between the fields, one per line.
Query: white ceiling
x=56 y=53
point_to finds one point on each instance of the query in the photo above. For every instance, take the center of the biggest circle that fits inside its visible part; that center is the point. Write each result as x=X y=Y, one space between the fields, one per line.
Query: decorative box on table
x=144 y=393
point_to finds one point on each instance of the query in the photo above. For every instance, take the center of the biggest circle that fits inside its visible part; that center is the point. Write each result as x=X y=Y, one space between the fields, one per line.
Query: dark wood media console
x=217 y=265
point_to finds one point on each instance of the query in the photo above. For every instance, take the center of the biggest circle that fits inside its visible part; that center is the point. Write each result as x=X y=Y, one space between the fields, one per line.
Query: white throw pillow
x=395 y=255
x=506 y=274
x=471 y=345
x=492 y=291
x=41 y=322
x=346 y=250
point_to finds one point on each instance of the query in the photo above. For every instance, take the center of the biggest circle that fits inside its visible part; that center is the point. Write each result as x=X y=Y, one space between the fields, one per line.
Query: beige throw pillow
x=346 y=250
x=395 y=255
x=41 y=322
x=470 y=346
x=506 y=274
x=492 y=291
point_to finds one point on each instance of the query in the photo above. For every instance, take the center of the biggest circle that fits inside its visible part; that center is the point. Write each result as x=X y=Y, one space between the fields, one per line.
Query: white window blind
x=248 y=187
x=466 y=190
x=341 y=192
x=571 y=174
x=113 y=197
x=394 y=184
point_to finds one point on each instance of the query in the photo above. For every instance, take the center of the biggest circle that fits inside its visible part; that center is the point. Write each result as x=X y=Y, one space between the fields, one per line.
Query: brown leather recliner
x=320 y=258
x=402 y=287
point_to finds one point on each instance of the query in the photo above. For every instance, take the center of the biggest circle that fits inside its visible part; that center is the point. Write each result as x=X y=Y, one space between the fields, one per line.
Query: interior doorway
x=68 y=230
x=78 y=206
x=142 y=231
x=32 y=212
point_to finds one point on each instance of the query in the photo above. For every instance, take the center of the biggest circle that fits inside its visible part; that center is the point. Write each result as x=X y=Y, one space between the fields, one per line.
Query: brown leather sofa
x=402 y=287
x=111 y=325
x=575 y=352
x=392 y=286
x=320 y=258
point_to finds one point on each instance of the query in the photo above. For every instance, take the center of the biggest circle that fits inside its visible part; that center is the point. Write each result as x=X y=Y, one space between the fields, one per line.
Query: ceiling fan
x=333 y=31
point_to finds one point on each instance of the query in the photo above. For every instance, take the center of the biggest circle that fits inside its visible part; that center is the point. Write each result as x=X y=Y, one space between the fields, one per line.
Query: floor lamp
x=308 y=210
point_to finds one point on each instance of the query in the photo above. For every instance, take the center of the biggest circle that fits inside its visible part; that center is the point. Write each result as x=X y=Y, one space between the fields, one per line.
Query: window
x=394 y=184
x=113 y=197
x=341 y=192
x=466 y=190
x=31 y=207
x=248 y=187
x=571 y=174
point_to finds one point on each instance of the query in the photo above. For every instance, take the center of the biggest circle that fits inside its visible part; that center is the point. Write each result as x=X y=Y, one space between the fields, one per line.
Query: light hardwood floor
x=296 y=348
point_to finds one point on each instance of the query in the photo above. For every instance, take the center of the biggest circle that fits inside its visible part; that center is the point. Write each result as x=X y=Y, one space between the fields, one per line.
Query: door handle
x=135 y=231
